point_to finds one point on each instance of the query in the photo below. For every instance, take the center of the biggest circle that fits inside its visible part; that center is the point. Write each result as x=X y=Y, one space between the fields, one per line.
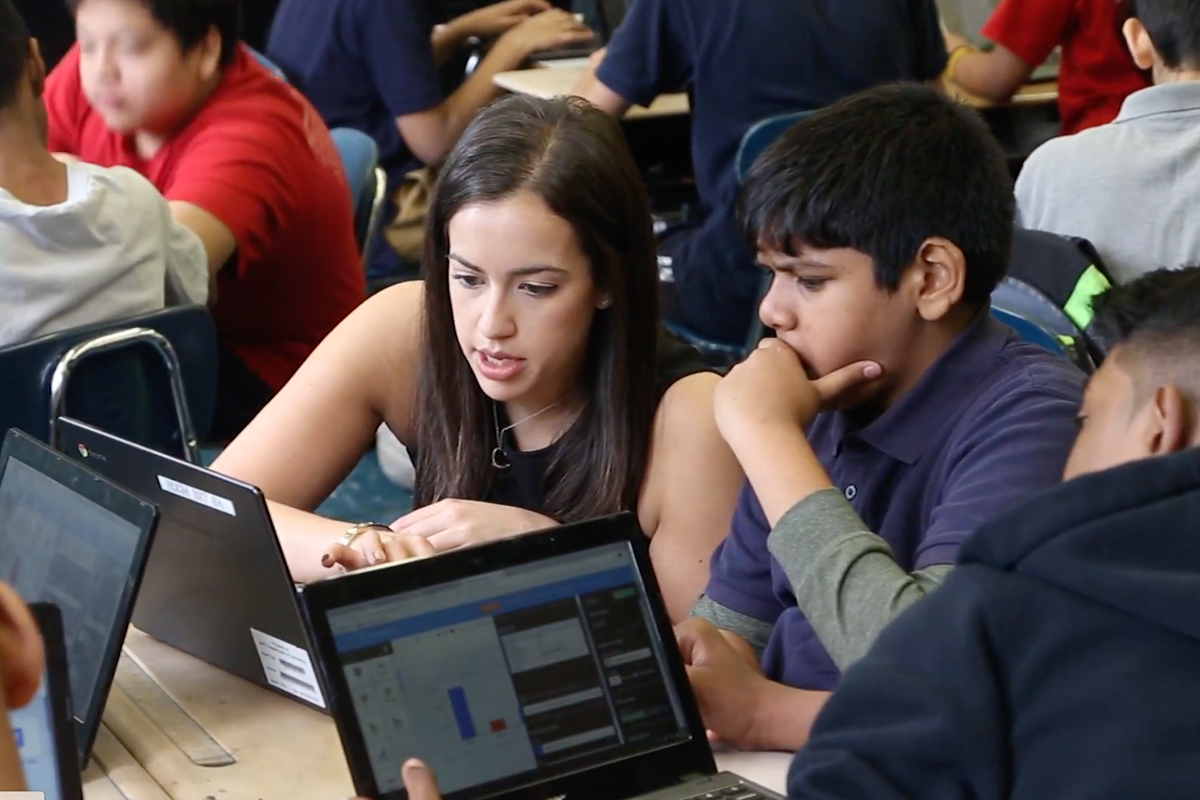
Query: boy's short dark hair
x=14 y=52
x=1156 y=317
x=1174 y=28
x=191 y=20
x=881 y=172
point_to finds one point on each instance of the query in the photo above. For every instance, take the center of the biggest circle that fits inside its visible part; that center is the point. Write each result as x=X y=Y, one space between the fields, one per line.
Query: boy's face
x=134 y=72
x=827 y=307
x=1120 y=422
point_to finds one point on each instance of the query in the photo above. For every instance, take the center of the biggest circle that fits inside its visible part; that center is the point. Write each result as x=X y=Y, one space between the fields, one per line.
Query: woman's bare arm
x=691 y=488
x=306 y=441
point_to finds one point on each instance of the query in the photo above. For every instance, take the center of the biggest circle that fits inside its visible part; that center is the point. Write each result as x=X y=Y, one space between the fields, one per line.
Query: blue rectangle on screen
x=462 y=714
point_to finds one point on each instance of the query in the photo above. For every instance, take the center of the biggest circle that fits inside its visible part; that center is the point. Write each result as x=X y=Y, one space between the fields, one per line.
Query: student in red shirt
x=164 y=87
x=1096 y=74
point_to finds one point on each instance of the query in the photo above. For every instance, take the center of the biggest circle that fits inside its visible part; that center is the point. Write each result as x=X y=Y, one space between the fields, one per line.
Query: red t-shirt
x=1097 y=72
x=257 y=157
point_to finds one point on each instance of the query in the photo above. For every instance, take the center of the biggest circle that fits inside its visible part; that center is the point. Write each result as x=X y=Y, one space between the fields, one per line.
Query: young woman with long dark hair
x=528 y=372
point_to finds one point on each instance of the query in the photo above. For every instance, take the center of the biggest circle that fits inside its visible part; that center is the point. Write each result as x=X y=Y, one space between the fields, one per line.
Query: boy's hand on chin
x=770 y=390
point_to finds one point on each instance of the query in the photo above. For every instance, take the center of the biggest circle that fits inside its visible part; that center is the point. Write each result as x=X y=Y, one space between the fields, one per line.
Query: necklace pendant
x=500 y=459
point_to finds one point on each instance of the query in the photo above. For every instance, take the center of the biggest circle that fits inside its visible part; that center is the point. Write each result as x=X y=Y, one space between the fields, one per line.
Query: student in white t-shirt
x=78 y=244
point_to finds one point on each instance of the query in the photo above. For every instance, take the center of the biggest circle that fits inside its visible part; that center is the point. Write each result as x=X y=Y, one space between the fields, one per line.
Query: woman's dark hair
x=575 y=158
x=191 y=20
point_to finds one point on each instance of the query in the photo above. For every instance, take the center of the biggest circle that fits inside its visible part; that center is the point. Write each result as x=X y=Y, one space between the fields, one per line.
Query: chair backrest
x=270 y=65
x=1069 y=273
x=360 y=159
x=116 y=377
x=759 y=138
x=1030 y=331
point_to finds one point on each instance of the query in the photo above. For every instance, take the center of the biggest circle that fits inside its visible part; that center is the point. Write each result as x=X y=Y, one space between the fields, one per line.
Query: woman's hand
x=375 y=546
x=451 y=524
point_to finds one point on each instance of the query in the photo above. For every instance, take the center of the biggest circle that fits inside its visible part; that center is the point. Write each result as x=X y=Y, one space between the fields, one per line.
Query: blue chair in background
x=724 y=355
x=270 y=65
x=760 y=136
x=149 y=379
x=368 y=184
x=1030 y=331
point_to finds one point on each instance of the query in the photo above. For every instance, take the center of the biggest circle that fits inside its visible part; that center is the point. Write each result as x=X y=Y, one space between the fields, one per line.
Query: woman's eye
x=538 y=289
x=467 y=280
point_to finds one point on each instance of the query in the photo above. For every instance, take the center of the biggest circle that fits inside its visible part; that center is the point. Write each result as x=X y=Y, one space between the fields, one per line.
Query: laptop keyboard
x=738 y=791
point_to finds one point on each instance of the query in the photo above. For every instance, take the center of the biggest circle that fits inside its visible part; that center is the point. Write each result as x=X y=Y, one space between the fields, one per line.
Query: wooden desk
x=280 y=750
x=556 y=81
x=547 y=82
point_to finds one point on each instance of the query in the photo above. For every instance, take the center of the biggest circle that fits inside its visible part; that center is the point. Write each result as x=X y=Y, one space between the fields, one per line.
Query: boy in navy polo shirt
x=742 y=61
x=891 y=416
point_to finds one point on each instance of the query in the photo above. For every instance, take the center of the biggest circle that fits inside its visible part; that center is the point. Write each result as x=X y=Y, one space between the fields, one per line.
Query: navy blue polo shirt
x=362 y=64
x=990 y=423
x=742 y=61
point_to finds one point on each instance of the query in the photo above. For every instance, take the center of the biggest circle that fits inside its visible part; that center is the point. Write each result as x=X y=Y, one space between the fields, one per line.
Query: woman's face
x=523 y=299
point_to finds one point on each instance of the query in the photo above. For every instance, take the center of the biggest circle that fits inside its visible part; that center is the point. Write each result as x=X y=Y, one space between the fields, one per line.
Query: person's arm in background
x=403 y=62
x=1025 y=33
x=650 y=53
x=484 y=23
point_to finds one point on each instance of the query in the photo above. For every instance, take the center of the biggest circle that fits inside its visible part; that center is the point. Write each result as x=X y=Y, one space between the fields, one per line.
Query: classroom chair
x=1030 y=331
x=1052 y=280
x=270 y=65
x=368 y=184
x=723 y=355
x=150 y=379
x=759 y=138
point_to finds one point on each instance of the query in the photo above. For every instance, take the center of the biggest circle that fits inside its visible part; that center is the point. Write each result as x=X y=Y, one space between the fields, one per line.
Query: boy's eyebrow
x=801 y=263
x=532 y=269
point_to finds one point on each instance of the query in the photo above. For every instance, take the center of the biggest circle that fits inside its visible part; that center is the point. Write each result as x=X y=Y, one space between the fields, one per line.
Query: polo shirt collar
x=906 y=429
x=1162 y=99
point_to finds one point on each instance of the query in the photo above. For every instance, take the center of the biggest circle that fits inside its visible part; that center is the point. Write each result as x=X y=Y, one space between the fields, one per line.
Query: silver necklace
x=499 y=457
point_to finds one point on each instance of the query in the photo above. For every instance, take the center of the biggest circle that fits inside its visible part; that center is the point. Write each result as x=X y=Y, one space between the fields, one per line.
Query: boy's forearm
x=845 y=578
x=781 y=467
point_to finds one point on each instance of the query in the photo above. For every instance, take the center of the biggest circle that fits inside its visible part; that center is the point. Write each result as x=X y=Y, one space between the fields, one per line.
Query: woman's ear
x=21 y=653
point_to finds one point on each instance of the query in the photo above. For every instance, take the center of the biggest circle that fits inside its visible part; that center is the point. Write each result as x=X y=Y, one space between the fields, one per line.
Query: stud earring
x=604 y=304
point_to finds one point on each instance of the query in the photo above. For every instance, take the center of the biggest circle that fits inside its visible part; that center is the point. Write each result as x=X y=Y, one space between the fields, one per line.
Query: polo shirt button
x=851 y=492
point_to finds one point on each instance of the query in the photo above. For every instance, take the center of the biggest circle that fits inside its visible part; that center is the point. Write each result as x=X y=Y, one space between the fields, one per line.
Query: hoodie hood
x=1126 y=538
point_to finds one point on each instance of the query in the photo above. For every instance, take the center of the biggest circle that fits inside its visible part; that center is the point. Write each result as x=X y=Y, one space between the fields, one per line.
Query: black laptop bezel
x=58 y=695
x=248 y=501
x=628 y=776
x=126 y=505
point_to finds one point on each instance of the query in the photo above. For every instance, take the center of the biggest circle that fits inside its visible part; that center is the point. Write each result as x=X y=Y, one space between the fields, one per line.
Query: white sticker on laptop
x=197 y=495
x=288 y=668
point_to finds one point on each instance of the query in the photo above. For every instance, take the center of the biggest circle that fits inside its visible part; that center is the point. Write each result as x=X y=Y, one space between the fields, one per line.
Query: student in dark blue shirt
x=742 y=61
x=891 y=416
x=1059 y=660
x=373 y=65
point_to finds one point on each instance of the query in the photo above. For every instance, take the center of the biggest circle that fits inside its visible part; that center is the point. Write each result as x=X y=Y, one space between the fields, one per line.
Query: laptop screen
x=56 y=545
x=548 y=666
x=33 y=728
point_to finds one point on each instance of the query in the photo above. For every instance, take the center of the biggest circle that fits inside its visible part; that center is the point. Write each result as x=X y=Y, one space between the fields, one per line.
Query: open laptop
x=72 y=538
x=45 y=728
x=537 y=667
x=216 y=585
